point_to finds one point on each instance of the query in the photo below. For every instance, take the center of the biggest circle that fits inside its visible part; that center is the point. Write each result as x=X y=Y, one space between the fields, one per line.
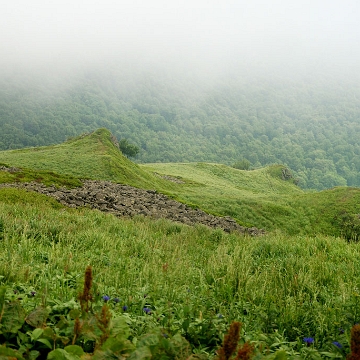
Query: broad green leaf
x=22 y=337
x=37 y=318
x=36 y=334
x=120 y=327
x=74 y=350
x=117 y=345
x=280 y=355
x=74 y=313
x=45 y=342
x=13 y=318
x=61 y=354
x=33 y=354
x=49 y=333
x=9 y=353
x=58 y=354
x=140 y=354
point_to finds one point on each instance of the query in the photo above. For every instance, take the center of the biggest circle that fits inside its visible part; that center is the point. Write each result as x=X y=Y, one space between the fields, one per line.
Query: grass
x=48 y=178
x=301 y=280
x=259 y=198
x=92 y=156
x=295 y=286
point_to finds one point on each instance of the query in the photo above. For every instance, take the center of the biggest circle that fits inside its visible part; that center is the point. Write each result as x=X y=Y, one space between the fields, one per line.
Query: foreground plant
x=85 y=330
x=96 y=327
x=230 y=345
x=355 y=343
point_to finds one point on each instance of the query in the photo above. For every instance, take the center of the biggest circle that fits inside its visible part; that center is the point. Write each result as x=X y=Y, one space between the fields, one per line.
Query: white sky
x=33 y=30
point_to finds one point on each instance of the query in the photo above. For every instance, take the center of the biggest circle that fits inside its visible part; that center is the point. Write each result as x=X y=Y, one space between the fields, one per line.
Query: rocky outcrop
x=123 y=200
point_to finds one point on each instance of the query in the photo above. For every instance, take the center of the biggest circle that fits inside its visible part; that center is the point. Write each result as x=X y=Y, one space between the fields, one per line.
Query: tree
x=242 y=164
x=128 y=149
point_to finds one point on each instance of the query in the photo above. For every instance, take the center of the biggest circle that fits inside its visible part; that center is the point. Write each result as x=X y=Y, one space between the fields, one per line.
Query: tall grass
x=297 y=286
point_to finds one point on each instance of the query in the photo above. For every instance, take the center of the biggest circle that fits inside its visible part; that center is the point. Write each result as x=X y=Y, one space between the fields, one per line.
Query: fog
x=208 y=36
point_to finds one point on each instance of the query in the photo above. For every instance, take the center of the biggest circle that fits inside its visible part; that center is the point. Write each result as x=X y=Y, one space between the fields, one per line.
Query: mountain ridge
x=262 y=198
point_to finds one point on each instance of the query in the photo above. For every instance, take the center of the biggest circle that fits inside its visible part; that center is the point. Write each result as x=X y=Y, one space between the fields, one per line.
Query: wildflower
x=220 y=316
x=124 y=308
x=85 y=297
x=116 y=300
x=341 y=331
x=308 y=340
x=147 y=310
x=106 y=298
x=33 y=293
x=354 y=343
x=230 y=341
x=337 y=344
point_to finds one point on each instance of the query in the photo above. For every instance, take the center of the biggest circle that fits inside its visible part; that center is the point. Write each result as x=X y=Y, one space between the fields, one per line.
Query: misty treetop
x=312 y=125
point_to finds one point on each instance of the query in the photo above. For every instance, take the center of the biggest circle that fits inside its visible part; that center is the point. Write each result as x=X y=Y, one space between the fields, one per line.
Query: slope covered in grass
x=92 y=156
x=194 y=280
x=262 y=198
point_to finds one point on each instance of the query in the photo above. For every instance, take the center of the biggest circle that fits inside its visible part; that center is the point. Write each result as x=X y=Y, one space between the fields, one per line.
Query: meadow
x=296 y=294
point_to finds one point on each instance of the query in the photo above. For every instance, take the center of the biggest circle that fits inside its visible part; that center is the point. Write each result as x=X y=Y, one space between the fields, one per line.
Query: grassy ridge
x=258 y=198
x=261 y=198
x=92 y=156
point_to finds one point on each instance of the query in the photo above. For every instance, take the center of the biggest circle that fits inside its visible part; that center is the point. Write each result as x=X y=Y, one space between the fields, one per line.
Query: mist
x=208 y=37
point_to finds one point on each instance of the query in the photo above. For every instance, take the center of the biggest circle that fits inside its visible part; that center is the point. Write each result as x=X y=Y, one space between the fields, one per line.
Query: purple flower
x=33 y=293
x=308 y=340
x=147 y=310
x=116 y=300
x=337 y=344
x=341 y=331
x=124 y=308
x=220 y=316
x=106 y=298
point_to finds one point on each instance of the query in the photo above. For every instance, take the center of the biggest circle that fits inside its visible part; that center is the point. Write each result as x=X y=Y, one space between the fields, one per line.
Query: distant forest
x=310 y=124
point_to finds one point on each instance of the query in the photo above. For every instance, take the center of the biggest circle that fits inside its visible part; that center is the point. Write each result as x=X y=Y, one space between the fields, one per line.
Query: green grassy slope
x=276 y=285
x=92 y=156
x=258 y=198
x=261 y=198
x=254 y=198
x=283 y=286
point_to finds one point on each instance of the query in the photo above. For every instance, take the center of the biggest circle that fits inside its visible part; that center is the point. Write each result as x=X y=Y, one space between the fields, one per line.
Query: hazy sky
x=188 y=30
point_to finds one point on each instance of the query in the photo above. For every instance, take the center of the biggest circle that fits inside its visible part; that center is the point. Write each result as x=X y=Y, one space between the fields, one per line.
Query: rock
x=123 y=200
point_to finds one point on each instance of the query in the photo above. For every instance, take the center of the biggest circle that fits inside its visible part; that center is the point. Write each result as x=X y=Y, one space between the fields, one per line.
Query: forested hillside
x=309 y=123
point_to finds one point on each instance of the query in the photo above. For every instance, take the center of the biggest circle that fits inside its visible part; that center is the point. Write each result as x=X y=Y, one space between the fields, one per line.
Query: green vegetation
x=262 y=198
x=282 y=288
x=161 y=287
x=266 y=198
x=41 y=176
x=89 y=156
x=128 y=149
x=307 y=122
